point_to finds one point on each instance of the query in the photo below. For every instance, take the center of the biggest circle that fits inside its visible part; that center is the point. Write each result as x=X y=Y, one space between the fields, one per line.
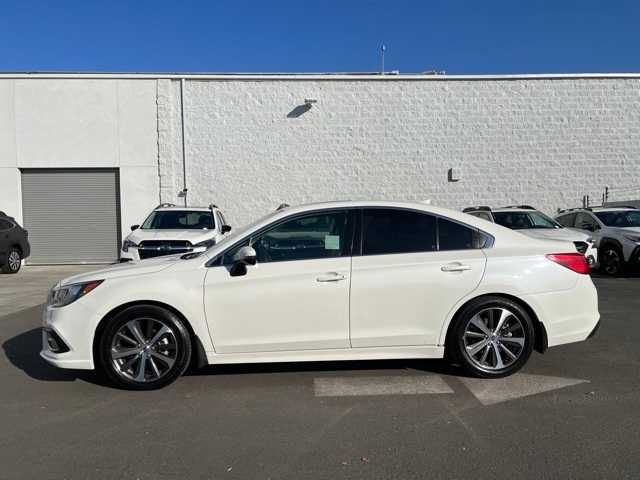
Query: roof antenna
x=382 y=50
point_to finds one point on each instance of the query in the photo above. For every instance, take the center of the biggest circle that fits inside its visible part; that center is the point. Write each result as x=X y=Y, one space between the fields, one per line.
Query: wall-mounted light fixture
x=453 y=175
x=310 y=101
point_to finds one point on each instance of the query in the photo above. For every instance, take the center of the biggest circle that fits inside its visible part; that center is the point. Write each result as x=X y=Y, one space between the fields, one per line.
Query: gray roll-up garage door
x=72 y=215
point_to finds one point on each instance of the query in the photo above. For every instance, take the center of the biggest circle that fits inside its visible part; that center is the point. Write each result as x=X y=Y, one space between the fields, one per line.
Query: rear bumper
x=568 y=315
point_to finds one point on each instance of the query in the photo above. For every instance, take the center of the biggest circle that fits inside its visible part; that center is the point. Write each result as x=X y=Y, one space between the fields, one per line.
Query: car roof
x=183 y=209
x=507 y=209
x=476 y=222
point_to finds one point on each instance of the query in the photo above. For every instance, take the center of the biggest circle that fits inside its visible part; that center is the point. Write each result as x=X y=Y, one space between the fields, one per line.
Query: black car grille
x=581 y=247
x=158 y=248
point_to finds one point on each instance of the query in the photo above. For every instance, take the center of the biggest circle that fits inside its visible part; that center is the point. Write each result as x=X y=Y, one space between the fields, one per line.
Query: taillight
x=573 y=261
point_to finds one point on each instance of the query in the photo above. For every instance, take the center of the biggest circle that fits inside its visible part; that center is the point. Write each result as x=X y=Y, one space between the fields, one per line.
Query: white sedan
x=332 y=281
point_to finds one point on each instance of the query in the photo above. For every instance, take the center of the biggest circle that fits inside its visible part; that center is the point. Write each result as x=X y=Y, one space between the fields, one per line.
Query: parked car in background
x=14 y=245
x=170 y=229
x=533 y=223
x=332 y=281
x=615 y=229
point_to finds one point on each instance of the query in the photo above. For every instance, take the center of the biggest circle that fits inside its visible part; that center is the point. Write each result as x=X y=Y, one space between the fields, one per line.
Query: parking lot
x=571 y=413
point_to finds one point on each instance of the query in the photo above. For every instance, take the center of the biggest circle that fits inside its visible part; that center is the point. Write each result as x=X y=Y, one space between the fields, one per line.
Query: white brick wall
x=545 y=142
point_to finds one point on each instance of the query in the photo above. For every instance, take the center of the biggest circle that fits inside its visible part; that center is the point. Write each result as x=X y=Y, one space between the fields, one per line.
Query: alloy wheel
x=494 y=338
x=144 y=350
x=14 y=260
x=611 y=261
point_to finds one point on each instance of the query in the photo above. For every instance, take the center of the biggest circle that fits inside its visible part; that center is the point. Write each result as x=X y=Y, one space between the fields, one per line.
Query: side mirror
x=226 y=228
x=246 y=255
x=134 y=227
x=243 y=257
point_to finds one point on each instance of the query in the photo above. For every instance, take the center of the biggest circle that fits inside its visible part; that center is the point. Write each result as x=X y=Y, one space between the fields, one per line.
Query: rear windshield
x=179 y=220
x=524 y=220
x=624 y=218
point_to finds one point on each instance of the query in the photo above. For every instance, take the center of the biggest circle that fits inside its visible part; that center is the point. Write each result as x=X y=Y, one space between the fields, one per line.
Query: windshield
x=621 y=219
x=179 y=220
x=524 y=220
x=237 y=234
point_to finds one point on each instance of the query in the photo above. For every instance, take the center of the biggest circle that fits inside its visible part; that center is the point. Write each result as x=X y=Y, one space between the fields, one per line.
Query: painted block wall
x=251 y=145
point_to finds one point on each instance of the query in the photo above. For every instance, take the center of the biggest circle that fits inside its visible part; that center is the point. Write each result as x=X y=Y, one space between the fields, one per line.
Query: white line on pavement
x=382 y=385
x=489 y=392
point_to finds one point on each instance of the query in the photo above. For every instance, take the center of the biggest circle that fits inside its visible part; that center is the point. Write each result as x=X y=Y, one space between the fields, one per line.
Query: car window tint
x=5 y=225
x=584 y=221
x=320 y=235
x=454 y=236
x=567 y=220
x=387 y=231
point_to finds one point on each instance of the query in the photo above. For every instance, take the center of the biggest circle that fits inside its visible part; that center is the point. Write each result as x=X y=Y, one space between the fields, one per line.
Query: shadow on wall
x=299 y=111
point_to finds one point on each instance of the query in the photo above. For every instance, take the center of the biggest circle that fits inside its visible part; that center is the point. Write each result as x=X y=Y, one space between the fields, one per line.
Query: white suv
x=171 y=230
x=332 y=281
x=615 y=229
x=533 y=223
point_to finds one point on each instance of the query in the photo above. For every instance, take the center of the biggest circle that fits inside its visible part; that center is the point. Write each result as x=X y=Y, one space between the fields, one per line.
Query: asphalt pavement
x=571 y=413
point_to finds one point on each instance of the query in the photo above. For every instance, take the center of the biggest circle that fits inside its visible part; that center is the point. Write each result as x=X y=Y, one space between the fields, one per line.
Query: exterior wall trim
x=314 y=76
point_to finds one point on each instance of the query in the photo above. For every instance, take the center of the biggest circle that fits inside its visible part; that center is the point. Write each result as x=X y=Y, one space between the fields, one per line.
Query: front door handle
x=455 y=267
x=331 y=277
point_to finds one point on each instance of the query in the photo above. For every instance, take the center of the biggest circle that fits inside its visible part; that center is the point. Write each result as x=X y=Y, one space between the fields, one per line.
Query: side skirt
x=338 y=354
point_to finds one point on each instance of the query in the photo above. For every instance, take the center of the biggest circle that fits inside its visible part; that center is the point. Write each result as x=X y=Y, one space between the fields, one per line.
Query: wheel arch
x=540 y=333
x=198 y=360
x=608 y=240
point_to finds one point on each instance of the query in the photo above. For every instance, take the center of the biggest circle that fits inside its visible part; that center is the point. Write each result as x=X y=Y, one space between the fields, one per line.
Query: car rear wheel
x=611 y=260
x=492 y=337
x=13 y=262
x=144 y=348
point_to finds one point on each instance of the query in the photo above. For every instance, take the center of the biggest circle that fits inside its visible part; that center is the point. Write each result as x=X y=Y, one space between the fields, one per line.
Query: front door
x=413 y=269
x=296 y=297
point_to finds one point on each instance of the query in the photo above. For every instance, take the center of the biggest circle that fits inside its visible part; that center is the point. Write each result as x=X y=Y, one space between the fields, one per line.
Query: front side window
x=567 y=220
x=524 y=220
x=316 y=236
x=5 y=225
x=620 y=219
x=179 y=220
x=387 y=231
x=584 y=221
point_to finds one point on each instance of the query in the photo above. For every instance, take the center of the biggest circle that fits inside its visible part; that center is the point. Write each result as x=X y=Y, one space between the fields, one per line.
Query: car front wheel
x=13 y=262
x=144 y=347
x=492 y=337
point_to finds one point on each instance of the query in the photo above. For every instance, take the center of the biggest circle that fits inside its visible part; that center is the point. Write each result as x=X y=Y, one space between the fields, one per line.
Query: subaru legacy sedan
x=331 y=281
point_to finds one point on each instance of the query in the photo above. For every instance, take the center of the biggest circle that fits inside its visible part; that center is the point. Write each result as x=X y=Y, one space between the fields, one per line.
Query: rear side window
x=455 y=236
x=567 y=220
x=386 y=231
x=483 y=215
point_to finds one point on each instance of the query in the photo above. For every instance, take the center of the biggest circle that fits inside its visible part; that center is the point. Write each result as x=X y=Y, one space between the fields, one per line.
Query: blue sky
x=463 y=37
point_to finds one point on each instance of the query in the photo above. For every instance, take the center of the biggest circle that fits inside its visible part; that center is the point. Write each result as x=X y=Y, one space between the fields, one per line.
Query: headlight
x=206 y=244
x=128 y=244
x=62 y=296
x=633 y=238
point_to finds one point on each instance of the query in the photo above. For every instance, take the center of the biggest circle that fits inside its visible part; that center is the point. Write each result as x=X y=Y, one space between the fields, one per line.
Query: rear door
x=413 y=268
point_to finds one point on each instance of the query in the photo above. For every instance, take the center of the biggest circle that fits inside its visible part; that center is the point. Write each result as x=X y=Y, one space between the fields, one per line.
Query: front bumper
x=70 y=327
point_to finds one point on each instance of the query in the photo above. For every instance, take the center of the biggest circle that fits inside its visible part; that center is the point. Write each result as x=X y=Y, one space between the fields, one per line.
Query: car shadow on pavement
x=23 y=353
x=430 y=366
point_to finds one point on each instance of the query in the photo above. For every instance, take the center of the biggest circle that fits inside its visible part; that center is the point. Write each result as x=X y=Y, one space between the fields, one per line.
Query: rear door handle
x=331 y=277
x=455 y=267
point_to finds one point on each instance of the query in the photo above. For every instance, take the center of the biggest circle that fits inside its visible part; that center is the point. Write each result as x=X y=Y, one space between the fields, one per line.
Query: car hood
x=565 y=234
x=193 y=236
x=126 y=269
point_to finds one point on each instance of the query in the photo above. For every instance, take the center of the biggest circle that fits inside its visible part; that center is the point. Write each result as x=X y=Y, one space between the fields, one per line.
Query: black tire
x=611 y=259
x=459 y=348
x=12 y=261
x=173 y=345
